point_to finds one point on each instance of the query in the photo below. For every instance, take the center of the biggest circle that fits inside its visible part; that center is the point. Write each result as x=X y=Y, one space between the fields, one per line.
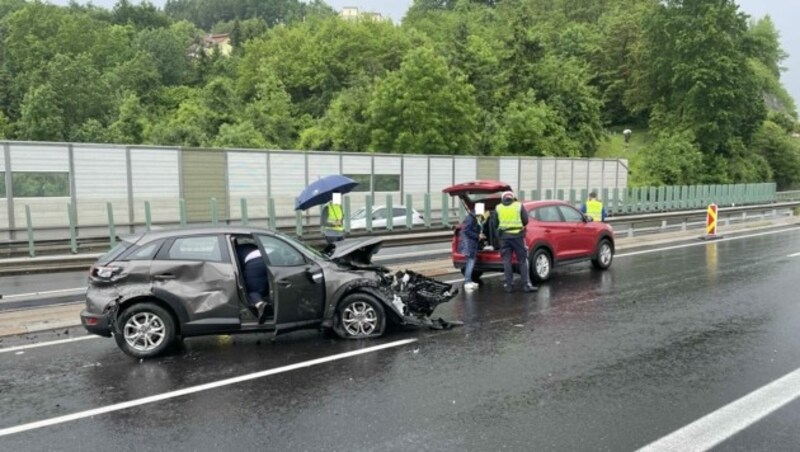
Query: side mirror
x=587 y=219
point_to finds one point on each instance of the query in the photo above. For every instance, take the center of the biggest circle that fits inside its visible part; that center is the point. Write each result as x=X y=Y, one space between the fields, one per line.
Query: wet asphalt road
x=594 y=361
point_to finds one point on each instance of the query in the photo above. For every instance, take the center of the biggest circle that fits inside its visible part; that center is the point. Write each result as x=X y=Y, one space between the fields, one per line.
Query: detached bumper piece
x=417 y=296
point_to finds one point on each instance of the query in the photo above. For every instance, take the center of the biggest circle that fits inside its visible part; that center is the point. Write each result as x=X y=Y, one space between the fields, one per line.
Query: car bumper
x=99 y=324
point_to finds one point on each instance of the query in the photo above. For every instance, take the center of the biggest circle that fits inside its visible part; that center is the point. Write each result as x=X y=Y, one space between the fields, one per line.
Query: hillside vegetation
x=697 y=81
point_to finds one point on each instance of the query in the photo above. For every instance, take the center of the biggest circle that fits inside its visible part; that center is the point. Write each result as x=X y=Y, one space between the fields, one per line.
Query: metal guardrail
x=788 y=195
x=629 y=225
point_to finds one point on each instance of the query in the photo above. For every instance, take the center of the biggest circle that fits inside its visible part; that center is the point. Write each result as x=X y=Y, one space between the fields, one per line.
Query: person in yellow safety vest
x=594 y=208
x=332 y=220
x=511 y=219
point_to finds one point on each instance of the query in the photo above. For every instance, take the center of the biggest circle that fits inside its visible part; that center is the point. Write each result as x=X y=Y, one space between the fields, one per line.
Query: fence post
x=625 y=204
x=245 y=219
x=560 y=194
x=535 y=195
x=572 y=199
x=409 y=211
x=462 y=212
x=31 y=247
x=427 y=201
x=73 y=239
x=112 y=230
x=271 y=220
x=389 y=213
x=615 y=201
x=148 y=220
x=182 y=207
x=368 y=212
x=298 y=221
x=548 y=194
x=346 y=213
x=521 y=196
x=445 y=210
x=214 y=213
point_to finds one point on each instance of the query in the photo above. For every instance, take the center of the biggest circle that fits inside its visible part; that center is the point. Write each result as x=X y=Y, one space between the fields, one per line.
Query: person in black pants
x=511 y=219
x=256 y=284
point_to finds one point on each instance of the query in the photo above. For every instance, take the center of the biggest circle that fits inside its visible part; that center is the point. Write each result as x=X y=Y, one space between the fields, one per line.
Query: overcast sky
x=785 y=14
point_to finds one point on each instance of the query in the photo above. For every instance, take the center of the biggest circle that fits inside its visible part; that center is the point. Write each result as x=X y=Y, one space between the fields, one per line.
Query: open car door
x=297 y=284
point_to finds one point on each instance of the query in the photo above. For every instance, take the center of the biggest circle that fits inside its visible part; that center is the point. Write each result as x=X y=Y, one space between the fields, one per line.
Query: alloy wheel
x=359 y=319
x=144 y=331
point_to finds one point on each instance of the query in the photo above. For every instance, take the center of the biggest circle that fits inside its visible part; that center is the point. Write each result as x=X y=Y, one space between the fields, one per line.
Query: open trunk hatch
x=485 y=191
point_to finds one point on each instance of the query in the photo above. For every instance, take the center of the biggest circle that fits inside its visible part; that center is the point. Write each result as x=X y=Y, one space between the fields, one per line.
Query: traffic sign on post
x=711 y=223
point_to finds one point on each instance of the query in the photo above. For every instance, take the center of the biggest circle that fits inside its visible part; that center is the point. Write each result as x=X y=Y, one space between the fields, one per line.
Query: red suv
x=557 y=233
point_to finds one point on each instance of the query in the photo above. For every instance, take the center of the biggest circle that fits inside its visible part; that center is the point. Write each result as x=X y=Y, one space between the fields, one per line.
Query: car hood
x=356 y=252
x=485 y=191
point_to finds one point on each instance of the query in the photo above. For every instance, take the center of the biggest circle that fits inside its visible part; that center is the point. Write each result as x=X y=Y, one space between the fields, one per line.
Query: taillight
x=105 y=272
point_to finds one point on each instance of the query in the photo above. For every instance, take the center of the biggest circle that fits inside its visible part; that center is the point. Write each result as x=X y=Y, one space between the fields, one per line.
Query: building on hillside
x=353 y=13
x=221 y=41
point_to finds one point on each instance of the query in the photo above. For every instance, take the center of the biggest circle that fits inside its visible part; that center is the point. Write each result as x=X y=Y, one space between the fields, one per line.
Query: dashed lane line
x=714 y=428
x=196 y=389
x=46 y=344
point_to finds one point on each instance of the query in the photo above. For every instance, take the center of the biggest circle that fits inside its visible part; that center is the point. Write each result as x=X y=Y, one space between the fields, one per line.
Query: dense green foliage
x=521 y=77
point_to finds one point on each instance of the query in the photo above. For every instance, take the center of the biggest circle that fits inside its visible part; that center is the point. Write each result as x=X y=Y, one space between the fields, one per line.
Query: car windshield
x=359 y=214
x=302 y=245
x=114 y=253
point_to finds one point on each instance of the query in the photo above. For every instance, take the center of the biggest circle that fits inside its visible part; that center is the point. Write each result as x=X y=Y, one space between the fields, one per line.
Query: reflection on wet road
x=593 y=361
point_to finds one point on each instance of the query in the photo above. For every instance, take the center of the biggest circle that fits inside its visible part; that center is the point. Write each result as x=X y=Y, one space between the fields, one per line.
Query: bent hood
x=356 y=252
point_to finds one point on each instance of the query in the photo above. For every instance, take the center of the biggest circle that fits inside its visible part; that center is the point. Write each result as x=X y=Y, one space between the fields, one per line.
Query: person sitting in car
x=256 y=284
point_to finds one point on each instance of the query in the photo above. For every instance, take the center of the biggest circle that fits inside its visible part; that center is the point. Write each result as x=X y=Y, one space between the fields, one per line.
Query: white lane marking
x=196 y=389
x=46 y=344
x=794 y=255
x=45 y=292
x=716 y=427
x=725 y=239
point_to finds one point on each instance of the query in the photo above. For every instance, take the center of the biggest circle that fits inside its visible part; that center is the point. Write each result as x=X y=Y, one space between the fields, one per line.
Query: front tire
x=541 y=265
x=359 y=316
x=145 y=330
x=605 y=255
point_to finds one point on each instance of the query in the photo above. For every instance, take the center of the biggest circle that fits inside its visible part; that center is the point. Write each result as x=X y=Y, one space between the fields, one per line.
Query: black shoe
x=530 y=289
x=508 y=289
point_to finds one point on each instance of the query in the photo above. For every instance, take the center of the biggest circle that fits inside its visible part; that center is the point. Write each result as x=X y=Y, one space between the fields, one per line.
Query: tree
x=42 y=117
x=530 y=127
x=692 y=73
x=240 y=135
x=271 y=112
x=782 y=152
x=168 y=49
x=81 y=93
x=346 y=125
x=672 y=159
x=131 y=124
x=423 y=108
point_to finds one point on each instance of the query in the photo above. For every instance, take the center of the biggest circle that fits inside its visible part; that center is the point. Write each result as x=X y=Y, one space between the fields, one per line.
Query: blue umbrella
x=322 y=190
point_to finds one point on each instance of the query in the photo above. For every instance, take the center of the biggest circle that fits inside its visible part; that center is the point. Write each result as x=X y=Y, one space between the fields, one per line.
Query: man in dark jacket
x=511 y=220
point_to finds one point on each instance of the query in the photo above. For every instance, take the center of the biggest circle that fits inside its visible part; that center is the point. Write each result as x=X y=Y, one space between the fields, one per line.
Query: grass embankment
x=613 y=146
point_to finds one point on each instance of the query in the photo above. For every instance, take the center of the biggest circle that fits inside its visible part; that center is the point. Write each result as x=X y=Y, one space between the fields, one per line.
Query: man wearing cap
x=511 y=221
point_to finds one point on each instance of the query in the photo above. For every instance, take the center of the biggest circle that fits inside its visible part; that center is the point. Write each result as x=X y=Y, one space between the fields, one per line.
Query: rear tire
x=605 y=255
x=145 y=330
x=540 y=266
x=359 y=316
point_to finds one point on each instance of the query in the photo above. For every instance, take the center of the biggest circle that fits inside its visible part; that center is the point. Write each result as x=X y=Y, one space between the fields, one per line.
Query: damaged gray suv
x=155 y=288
